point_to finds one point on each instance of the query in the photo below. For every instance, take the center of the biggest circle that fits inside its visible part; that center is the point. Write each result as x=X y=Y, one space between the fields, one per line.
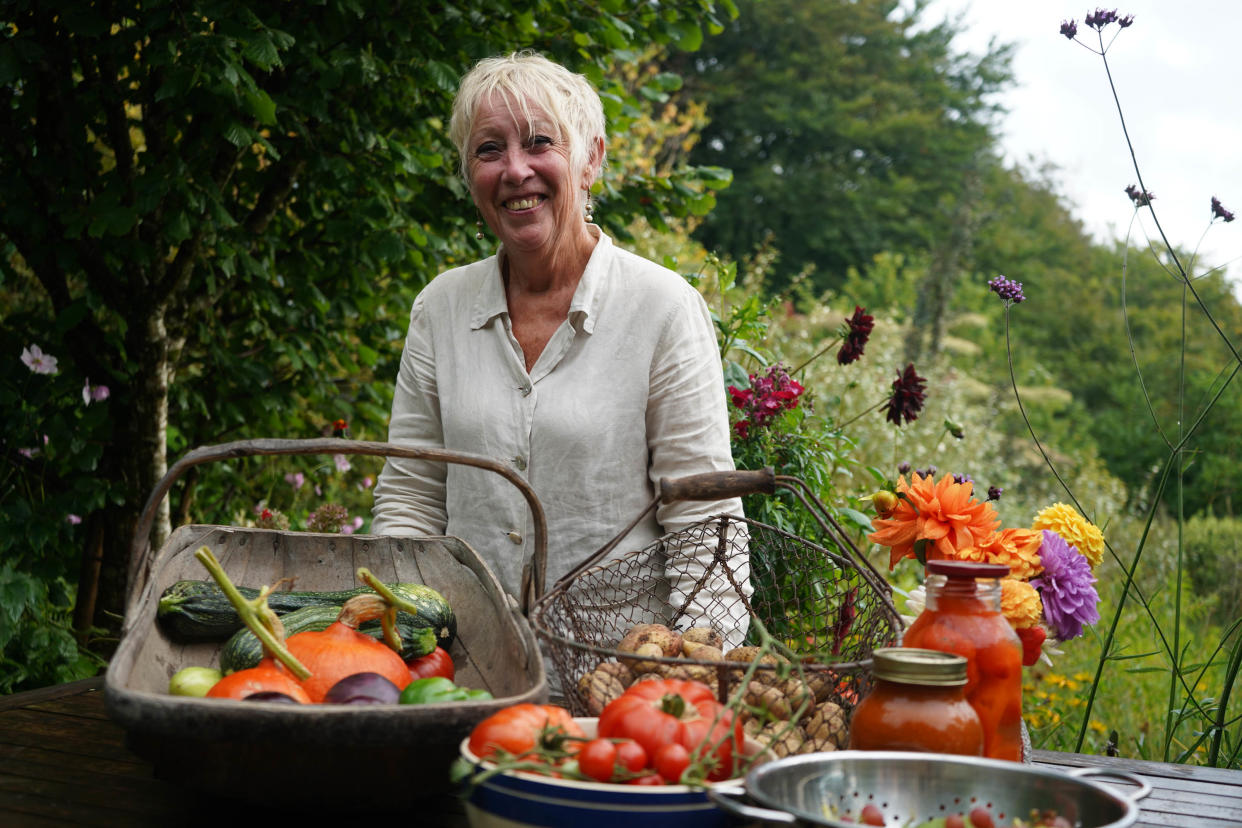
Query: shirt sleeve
x=410 y=494
x=688 y=433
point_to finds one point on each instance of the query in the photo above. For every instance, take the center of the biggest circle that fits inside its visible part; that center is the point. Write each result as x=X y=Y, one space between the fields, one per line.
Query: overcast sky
x=1177 y=75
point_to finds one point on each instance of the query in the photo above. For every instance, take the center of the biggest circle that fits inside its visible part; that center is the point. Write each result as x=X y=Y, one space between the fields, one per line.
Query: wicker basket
x=827 y=603
x=331 y=755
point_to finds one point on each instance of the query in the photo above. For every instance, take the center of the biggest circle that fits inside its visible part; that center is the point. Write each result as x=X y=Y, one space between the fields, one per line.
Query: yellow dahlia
x=1020 y=603
x=1075 y=529
x=1017 y=549
x=945 y=515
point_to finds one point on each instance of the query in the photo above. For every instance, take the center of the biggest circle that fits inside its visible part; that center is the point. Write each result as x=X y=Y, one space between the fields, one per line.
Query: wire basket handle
x=142 y=556
x=706 y=486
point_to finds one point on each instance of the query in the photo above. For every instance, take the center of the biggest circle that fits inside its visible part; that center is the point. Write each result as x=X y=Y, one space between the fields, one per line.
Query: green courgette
x=244 y=649
x=200 y=611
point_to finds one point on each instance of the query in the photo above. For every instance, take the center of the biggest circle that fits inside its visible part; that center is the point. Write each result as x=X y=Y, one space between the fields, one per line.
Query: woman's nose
x=517 y=165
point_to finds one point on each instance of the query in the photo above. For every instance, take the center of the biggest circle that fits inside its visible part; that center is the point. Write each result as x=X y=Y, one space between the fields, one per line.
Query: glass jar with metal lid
x=917 y=703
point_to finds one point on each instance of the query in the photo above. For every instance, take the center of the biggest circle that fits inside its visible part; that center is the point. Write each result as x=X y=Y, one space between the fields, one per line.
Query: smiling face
x=521 y=178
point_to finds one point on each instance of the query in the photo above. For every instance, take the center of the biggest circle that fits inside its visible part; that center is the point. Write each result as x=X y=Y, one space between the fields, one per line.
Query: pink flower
x=342 y=462
x=72 y=519
x=366 y=483
x=28 y=453
x=352 y=526
x=37 y=361
x=295 y=479
x=99 y=393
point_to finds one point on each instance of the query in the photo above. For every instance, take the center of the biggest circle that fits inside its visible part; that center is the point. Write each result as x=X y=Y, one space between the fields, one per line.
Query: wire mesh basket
x=824 y=601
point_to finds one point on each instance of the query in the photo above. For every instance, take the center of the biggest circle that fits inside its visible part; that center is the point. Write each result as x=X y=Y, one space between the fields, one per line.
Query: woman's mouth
x=523 y=203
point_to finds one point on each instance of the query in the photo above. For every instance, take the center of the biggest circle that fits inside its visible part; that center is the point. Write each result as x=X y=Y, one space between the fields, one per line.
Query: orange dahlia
x=1017 y=549
x=1020 y=603
x=944 y=515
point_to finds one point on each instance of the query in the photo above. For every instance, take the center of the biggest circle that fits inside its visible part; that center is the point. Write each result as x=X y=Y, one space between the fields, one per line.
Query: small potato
x=621 y=672
x=668 y=640
x=642 y=665
x=781 y=738
x=703 y=635
x=827 y=724
x=747 y=655
x=769 y=700
x=701 y=652
x=598 y=688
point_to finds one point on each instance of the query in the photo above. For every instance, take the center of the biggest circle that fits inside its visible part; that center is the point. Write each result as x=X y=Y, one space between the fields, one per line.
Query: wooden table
x=64 y=762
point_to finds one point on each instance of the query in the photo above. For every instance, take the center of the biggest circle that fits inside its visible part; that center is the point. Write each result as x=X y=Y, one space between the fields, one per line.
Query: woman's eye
x=541 y=141
x=486 y=149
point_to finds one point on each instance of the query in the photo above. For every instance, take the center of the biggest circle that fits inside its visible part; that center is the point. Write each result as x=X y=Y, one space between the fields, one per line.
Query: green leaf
x=688 y=35
x=859 y=519
x=261 y=106
x=443 y=75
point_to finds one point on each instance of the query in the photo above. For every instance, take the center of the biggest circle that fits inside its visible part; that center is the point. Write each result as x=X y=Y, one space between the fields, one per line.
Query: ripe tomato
x=657 y=712
x=598 y=759
x=871 y=815
x=671 y=761
x=648 y=779
x=523 y=727
x=435 y=663
x=631 y=755
x=981 y=818
x=955 y=821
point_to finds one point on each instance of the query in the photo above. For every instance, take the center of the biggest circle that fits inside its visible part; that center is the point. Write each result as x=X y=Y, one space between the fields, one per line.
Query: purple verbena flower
x=907 y=399
x=962 y=478
x=1219 y=211
x=1141 y=198
x=1100 y=18
x=903 y=467
x=1065 y=586
x=1126 y=22
x=1007 y=289
x=1069 y=28
x=860 y=325
x=995 y=492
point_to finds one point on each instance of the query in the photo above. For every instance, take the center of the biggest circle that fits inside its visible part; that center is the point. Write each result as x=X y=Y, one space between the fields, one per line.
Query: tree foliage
x=221 y=211
x=850 y=127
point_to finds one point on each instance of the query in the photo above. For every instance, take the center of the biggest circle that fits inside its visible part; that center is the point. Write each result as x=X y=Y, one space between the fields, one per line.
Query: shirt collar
x=583 y=309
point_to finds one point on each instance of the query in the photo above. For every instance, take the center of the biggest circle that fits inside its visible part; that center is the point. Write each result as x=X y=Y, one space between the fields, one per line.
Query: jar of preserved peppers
x=963 y=616
x=917 y=703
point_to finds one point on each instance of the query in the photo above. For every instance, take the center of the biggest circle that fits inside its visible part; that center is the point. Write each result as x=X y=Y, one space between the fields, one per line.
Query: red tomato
x=523 y=727
x=598 y=759
x=955 y=821
x=649 y=779
x=871 y=815
x=435 y=663
x=671 y=761
x=980 y=818
x=657 y=712
x=631 y=755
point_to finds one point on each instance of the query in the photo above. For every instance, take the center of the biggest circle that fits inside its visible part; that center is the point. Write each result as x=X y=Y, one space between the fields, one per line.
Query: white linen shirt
x=628 y=390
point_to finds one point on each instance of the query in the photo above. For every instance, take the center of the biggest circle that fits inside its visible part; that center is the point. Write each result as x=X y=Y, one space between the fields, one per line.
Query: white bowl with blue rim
x=524 y=800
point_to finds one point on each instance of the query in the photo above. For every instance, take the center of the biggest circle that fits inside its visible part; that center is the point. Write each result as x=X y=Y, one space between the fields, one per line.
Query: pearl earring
x=479 y=233
x=589 y=211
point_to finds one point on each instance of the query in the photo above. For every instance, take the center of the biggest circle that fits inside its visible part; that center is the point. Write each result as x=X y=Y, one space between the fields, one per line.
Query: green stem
x=256 y=615
x=389 y=619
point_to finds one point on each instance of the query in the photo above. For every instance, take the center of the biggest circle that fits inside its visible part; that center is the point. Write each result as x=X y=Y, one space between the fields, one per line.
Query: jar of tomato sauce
x=963 y=616
x=917 y=702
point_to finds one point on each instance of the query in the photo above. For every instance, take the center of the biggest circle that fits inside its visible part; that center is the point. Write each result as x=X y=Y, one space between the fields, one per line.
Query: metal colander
x=825 y=601
x=912 y=788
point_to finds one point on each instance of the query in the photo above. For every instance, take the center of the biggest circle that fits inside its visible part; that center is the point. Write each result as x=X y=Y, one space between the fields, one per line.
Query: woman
x=591 y=370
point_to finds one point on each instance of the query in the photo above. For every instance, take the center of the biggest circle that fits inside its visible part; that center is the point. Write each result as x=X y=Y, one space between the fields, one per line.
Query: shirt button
x=520 y=463
x=525 y=389
x=516 y=537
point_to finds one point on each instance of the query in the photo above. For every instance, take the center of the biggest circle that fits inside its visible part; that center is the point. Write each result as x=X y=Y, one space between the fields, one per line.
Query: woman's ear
x=595 y=163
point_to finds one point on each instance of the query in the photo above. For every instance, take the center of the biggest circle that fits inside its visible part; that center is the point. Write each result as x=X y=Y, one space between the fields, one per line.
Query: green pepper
x=435 y=689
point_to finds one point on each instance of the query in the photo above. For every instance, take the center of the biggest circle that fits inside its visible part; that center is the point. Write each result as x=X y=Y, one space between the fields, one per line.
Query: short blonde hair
x=525 y=80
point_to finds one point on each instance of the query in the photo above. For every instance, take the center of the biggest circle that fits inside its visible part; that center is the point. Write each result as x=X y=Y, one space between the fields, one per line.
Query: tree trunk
x=140 y=454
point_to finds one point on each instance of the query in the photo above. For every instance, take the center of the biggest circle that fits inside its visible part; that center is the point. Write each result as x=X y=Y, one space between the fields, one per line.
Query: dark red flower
x=340 y=428
x=1219 y=211
x=907 y=399
x=860 y=325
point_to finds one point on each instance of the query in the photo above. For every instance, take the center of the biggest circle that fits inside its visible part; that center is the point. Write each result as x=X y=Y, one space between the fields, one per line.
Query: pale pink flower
x=295 y=479
x=28 y=453
x=351 y=527
x=342 y=462
x=366 y=483
x=72 y=519
x=97 y=393
x=37 y=361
